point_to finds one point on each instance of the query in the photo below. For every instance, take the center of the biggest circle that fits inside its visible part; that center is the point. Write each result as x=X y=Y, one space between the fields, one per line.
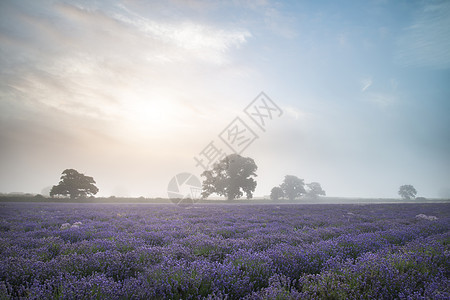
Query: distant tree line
x=293 y=187
x=231 y=177
x=234 y=176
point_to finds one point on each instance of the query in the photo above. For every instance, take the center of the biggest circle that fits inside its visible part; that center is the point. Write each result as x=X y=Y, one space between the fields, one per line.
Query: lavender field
x=138 y=251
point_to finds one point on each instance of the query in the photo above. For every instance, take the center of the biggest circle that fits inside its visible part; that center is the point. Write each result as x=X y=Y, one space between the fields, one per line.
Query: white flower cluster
x=425 y=217
x=67 y=225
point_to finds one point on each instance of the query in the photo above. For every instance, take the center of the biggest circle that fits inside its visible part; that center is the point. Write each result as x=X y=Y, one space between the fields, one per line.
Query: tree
x=74 y=184
x=231 y=177
x=276 y=193
x=315 y=190
x=293 y=187
x=407 y=192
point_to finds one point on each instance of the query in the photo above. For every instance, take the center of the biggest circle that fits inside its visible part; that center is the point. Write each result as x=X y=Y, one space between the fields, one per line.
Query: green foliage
x=231 y=177
x=407 y=192
x=75 y=185
x=276 y=193
x=293 y=187
x=315 y=190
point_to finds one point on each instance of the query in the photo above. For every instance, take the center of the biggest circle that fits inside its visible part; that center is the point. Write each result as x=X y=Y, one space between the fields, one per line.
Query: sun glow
x=151 y=114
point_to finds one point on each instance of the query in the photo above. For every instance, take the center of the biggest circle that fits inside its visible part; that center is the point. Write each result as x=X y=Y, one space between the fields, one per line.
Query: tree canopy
x=293 y=187
x=75 y=185
x=231 y=177
x=315 y=190
x=407 y=192
x=276 y=193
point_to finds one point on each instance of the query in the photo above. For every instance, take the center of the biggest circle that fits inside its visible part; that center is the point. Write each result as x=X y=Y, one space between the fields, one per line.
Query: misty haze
x=204 y=149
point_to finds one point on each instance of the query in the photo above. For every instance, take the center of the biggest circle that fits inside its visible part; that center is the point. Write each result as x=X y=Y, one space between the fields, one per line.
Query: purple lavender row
x=68 y=251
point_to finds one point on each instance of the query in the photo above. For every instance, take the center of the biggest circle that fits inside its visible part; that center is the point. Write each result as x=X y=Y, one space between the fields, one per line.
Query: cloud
x=294 y=112
x=201 y=40
x=426 y=42
x=384 y=94
x=366 y=83
x=105 y=64
x=109 y=87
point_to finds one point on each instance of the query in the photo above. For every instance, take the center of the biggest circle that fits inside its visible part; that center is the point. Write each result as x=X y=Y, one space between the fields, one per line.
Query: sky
x=129 y=92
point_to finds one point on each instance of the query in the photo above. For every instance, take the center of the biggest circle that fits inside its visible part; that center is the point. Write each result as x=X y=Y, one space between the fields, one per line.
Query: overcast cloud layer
x=129 y=92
